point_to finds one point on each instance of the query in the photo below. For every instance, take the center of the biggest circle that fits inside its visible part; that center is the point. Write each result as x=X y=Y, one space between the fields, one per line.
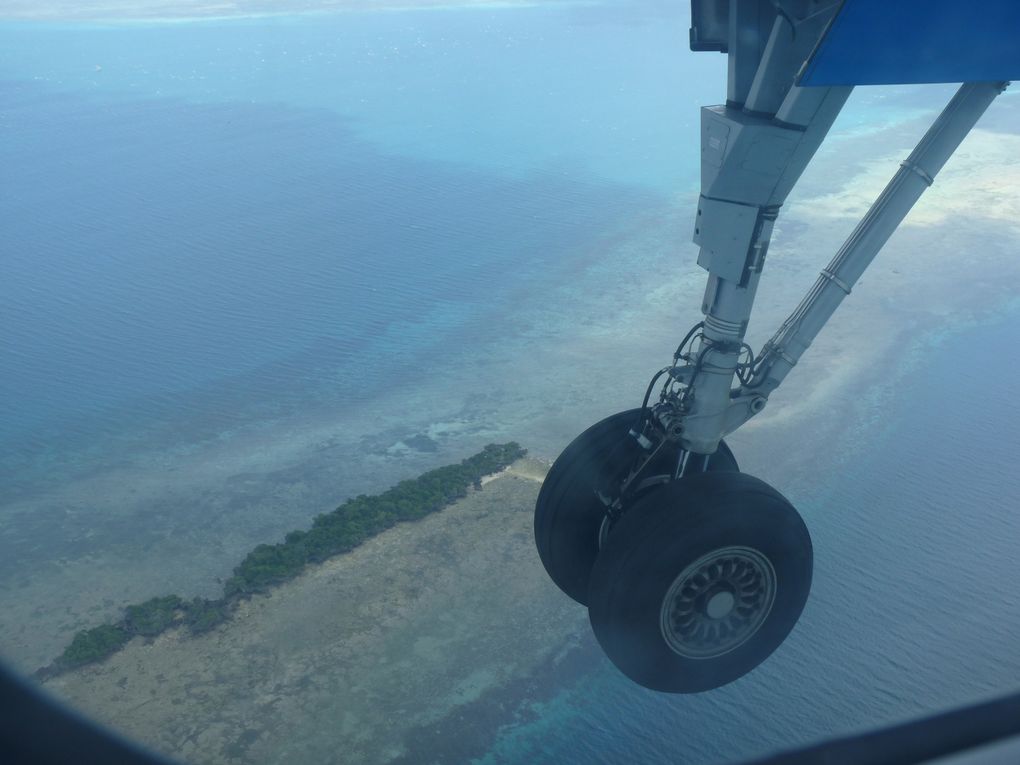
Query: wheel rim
x=718 y=602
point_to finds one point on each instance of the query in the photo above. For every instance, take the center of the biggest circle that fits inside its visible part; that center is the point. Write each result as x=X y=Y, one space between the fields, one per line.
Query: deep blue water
x=274 y=212
x=556 y=87
x=260 y=210
x=185 y=243
x=279 y=206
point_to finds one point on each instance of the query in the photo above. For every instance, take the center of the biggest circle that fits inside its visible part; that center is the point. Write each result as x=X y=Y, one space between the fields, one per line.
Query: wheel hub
x=718 y=602
x=720 y=605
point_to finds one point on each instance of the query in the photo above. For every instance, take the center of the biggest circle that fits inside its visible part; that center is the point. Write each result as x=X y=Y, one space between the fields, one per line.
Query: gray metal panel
x=723 y=230
x=754 y=151
x=710 y=25
x=750 y=25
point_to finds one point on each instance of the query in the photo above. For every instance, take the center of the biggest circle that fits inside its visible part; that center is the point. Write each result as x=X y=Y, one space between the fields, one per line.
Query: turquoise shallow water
x=211 y=225
x=185 y=244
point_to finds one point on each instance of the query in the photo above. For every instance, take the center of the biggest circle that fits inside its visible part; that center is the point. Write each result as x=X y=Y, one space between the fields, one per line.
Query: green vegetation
x=151 y=617
x=363 y=517
x=92 y=645
x=332 y=533
x=201 y=615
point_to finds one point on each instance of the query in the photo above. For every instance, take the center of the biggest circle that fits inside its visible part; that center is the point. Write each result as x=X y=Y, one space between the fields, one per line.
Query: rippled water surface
x=913 y=607
x=250 y=267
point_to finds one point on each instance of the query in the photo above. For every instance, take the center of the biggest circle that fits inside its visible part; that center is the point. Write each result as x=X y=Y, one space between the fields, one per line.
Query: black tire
x=673 y=554
x=568 y=515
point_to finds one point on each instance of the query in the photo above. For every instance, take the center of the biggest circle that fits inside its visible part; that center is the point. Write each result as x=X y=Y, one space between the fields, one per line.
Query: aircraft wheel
x=570 y=520
x=700 y=582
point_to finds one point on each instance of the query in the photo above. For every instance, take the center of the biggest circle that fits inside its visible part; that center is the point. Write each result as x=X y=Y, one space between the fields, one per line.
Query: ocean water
x=309 y=197
x=219 y=234
x=248 y=241
x=208 y=216
x=913 y=607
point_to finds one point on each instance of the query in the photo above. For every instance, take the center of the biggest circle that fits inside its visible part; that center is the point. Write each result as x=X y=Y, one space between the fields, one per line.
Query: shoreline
x=483 y=693
x=449 y=630
x=813 y=401
x=266 y=567
x=384 y=661
x=543 y=400
x=462 y=688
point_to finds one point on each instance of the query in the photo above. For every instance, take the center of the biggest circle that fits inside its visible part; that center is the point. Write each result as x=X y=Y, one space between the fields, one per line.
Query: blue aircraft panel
x=885 y=42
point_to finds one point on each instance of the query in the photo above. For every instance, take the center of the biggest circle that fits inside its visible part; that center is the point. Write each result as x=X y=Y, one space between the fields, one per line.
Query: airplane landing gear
x=574 y=511
x=700 y=582
x=693 y=573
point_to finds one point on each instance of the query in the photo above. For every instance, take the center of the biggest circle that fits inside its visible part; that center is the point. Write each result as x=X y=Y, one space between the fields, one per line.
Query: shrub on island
x=92 y=645
x=151 y=617
x=201 y=615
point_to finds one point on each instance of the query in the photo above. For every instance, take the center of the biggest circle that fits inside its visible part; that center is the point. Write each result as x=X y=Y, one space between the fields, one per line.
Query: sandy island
x=359 y=656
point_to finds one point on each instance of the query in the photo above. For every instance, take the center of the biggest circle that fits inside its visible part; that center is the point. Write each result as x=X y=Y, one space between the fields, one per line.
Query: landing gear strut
x=693 y=573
